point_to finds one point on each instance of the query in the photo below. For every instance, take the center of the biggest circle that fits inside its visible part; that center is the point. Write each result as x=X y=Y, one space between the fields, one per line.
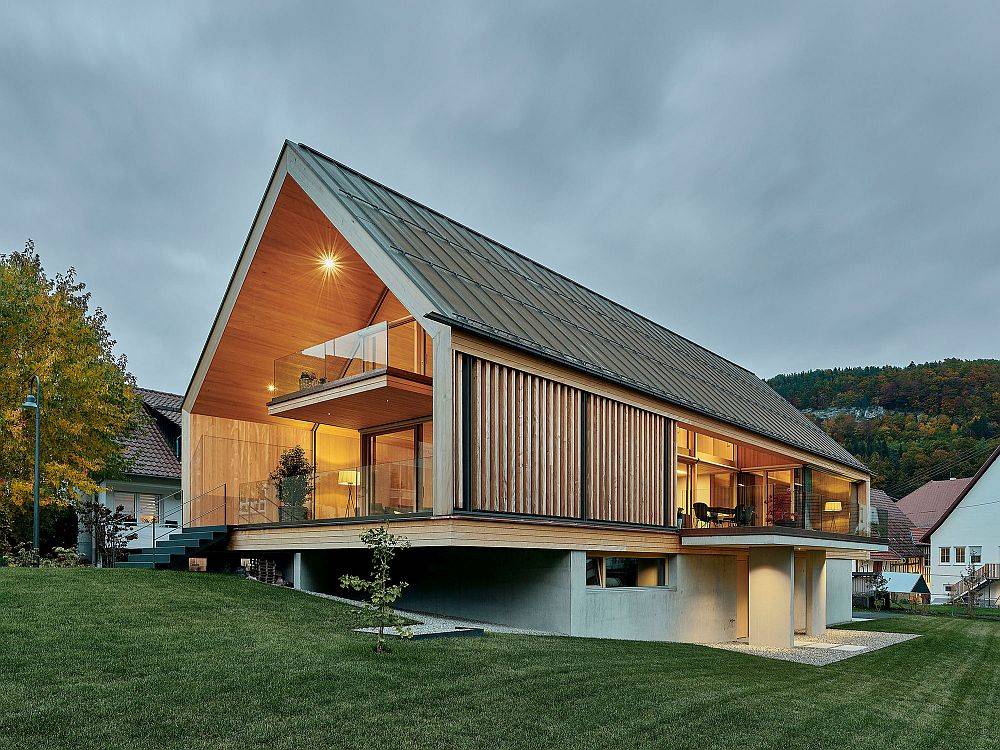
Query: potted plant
x=293 y=484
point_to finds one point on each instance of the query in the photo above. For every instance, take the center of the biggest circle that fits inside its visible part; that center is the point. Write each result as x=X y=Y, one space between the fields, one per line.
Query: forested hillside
x=908 y=424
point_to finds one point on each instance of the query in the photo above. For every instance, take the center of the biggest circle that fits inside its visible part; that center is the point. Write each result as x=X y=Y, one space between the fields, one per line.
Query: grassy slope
x=108 y=659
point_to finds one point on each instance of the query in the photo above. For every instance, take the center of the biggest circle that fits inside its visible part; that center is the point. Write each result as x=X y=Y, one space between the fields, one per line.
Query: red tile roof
x=150 y=448
x=925 y=505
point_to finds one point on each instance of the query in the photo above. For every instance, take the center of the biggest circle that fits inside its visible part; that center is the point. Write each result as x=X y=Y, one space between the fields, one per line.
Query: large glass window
x=684 y=442
x=715 y=450
x=398 y=470
x=830 y=503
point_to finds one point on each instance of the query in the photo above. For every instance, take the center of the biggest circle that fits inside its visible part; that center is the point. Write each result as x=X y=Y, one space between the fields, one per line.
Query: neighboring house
x=150 y=492
x=904 y=555
x=967 y=534
x=926 y=504
x=556 y=460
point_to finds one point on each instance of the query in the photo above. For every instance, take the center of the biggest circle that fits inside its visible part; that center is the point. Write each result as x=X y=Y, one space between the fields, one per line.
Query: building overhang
x=775 y=537
x=368 y=400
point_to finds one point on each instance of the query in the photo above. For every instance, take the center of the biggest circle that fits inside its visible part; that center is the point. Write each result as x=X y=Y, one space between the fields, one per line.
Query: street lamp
x=34 y=401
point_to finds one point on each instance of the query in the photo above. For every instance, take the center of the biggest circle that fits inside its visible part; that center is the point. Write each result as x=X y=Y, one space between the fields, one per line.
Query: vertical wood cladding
x=625 y=473
x=526 y=450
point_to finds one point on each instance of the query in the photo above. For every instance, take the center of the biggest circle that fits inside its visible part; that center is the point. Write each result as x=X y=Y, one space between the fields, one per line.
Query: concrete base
x=707 y=599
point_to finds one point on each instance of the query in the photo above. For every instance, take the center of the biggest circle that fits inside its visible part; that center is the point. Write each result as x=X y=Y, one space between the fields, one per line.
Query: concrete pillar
x=772 y=597
x=816 y=593
x=801 y=595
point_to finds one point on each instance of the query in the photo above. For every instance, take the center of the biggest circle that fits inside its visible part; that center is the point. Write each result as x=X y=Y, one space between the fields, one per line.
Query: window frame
x=976 y=558
x=957 y=555
x=944 y=555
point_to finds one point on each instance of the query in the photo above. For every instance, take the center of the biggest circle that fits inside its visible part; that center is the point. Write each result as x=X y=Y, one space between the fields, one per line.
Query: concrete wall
x=546 y=590
x=698 y=605
x=838 y=591
x=523 y=588
x=974 y=523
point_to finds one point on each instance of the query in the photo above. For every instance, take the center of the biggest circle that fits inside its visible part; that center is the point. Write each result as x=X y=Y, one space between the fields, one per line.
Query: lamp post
x=34 y=401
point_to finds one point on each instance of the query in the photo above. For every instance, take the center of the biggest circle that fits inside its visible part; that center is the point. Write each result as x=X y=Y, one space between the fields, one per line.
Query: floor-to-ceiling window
x=398 y=470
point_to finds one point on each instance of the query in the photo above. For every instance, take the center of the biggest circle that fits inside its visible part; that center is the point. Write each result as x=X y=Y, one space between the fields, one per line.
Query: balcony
x=773 y=513
x=377 y=375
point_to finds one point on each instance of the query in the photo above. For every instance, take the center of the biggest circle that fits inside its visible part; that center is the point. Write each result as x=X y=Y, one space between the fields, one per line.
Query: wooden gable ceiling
x=286 y=303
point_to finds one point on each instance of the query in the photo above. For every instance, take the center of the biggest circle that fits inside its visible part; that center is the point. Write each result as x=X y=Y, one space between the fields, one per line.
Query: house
x=556 y=460
x=926 y=504
x=967 y=535
x=150 y=492
x=904 y=556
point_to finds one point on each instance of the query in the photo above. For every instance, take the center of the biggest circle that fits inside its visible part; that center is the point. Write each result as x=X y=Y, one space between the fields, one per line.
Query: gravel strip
x=436 y=623
x=835 y=646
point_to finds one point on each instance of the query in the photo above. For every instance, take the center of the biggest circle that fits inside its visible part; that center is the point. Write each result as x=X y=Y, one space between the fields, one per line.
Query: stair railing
x=168 y=530
x=986 y=572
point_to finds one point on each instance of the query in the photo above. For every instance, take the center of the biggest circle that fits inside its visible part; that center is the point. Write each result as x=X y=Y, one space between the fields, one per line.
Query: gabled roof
x=478 y=285
x=961 y=495
x=926 y=504
x=148 y=447
x=901 y=539
x=167 y=405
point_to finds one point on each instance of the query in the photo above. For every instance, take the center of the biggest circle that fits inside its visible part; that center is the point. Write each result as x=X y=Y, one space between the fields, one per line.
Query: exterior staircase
x=174 y=551
x=984 y=575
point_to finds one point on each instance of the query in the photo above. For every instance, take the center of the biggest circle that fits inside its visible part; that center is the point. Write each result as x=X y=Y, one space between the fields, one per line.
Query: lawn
x=155 y=659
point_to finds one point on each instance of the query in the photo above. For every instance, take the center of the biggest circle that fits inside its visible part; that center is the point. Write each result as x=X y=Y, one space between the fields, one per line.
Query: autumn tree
x=89 y=401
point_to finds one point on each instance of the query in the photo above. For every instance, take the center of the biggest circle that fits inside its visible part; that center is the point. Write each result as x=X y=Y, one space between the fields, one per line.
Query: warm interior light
x=348 y=478
x=271 y=388
x=328 y=262
x=833 y=506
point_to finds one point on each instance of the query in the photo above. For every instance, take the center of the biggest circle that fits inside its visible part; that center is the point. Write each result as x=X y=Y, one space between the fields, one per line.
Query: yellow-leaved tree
x=89 y=399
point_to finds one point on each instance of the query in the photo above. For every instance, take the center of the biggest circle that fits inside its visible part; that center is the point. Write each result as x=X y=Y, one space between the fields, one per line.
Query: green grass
x=155 y=659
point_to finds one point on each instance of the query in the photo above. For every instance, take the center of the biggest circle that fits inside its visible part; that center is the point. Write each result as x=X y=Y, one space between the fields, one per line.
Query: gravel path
x=835 y=646
x=432 y=624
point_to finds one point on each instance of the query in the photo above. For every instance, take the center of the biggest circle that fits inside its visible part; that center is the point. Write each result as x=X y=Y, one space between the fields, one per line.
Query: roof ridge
x=521 y=255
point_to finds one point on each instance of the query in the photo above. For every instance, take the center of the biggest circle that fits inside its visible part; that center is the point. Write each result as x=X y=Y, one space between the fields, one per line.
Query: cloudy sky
x=806 y=186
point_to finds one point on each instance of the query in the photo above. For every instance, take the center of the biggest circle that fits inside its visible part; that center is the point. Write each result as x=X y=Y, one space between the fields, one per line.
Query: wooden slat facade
x=627 y=463
x=527 y=454
x=525 y=439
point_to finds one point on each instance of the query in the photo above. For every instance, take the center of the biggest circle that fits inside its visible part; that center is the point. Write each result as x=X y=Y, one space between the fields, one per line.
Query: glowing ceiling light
x=328 y=263
x=271 y=388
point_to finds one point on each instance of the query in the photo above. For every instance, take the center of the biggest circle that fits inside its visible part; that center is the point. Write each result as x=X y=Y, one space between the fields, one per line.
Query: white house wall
x=974 y=523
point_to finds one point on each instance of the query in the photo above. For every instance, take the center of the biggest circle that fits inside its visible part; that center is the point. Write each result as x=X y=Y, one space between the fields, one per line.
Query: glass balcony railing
x=400 y=344
x=385 y=489
x=787 y=509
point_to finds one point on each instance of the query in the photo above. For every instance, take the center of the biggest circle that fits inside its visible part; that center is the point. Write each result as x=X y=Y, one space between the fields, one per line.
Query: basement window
x=626 y=572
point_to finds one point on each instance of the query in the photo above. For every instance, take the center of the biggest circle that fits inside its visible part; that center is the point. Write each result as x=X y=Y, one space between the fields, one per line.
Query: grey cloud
x=808 y=186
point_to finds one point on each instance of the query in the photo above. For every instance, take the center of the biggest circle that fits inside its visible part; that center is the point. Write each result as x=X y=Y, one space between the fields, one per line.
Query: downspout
x=315 y=429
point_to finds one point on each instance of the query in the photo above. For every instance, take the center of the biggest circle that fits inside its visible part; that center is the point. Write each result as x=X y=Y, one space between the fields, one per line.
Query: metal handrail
x=180 y=509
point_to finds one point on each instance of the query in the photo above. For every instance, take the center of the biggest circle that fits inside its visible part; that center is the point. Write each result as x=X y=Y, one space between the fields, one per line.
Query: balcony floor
x=367 y=400
x=778 y=536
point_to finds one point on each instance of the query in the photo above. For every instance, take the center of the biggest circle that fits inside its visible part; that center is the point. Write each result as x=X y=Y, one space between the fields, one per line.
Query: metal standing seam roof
x=479 y=285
